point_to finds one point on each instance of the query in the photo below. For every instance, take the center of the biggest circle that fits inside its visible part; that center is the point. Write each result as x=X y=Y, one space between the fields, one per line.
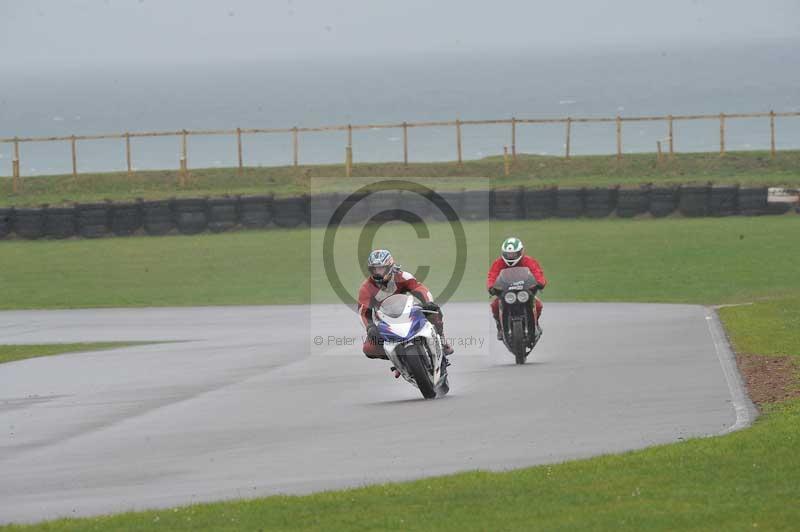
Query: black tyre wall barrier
x=475 y=205
x=59 y=222
x=752 y=201
x=416 y=203
x=322 y=207
x=723 y=200
x=382 y=201
x=539 y=203
x=663 y=201
x=191 y=215
x=126 y=218
x=694 y=200
x=255 y=212
x=599 y=202
x=632 y=202
x=6 y=222
x=290 y=212
x=94 y=219
x=507 y=204
x=223 y=214
x=29 y=223
x=569 y=202
x=453 y=198
x=157 y=217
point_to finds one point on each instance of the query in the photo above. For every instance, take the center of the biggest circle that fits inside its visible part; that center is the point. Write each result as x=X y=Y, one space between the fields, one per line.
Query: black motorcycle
x=516 y=288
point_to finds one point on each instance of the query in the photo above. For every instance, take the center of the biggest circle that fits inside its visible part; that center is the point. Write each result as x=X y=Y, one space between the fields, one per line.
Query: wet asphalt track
x=247 y=405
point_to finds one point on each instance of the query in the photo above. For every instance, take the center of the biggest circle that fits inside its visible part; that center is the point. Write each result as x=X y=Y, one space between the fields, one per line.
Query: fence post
x=658 y=148
x=514 y=139
x=350 y=135
x=15 y=165
x=128 y=161
x=184 y=159
x=505 y=161
x=239 y=149
x=405 y=144
x=348 y=160
x=722 y=134
x=295 y=147
x=569 y=134
x=669 y=134
x=772 y=133
x=74 y=157
x=458 y=140
x=619 y=137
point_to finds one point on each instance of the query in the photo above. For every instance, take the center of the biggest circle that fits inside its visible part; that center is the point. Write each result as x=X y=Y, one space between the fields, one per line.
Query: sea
x=308 y=92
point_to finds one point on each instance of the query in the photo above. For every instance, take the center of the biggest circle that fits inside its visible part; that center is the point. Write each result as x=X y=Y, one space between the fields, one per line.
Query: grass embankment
x=530 y=170
x=743 y=481
x=674 y=260
x=12 y=353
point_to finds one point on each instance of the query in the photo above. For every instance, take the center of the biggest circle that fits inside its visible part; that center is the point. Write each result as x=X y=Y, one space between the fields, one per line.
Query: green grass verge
x=756 y=168
x=703 y=260
x=12 y=353
x=765 y=328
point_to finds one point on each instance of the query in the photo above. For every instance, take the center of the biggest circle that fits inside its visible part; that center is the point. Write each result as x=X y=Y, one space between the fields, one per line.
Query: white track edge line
x=746 y=411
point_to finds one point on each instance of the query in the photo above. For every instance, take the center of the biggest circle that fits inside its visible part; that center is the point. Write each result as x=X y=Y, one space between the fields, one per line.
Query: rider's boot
x=499 y=330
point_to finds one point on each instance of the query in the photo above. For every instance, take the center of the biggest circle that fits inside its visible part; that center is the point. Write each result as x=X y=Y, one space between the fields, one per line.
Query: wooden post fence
x=128 y=161
x=506 y=165
x=184 y=177
x=458 y=141
x=669 y=135
x=74 y=157
x=619 y=137
x=239 y=149
x=514 y=139
x=569 y=130
x=15 y=166
x=658 y=148
x=348 y=160
x=295 y=147
x=405 y=144
x=350 y=135
x=722 y=134
x=772 y=134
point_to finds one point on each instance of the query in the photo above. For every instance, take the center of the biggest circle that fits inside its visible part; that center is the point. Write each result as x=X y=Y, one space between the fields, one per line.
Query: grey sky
x=92 y=32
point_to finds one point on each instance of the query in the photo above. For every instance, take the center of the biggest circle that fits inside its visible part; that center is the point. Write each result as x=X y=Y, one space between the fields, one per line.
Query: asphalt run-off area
x=252 y=401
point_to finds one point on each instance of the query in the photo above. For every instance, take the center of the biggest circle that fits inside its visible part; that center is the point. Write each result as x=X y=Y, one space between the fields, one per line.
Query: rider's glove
x=539 y=287
x=493 y=291
x=431 y=307
x=373 y=336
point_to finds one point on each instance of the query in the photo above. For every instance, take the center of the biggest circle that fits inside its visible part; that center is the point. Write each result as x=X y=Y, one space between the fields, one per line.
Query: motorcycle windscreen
x=394 y=306
x=518 y=276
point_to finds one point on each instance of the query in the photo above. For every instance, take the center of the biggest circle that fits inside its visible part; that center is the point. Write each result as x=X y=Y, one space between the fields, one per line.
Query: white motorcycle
x=412 y=344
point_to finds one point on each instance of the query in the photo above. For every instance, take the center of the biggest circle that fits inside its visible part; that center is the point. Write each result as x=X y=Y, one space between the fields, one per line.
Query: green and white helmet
x=512 y=250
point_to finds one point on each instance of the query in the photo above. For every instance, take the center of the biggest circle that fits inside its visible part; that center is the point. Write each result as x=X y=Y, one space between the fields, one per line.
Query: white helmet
x=512 y=250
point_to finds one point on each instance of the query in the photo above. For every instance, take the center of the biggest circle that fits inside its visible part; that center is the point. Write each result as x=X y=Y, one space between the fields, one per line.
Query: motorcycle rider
x=386 y=279
x=512 y=254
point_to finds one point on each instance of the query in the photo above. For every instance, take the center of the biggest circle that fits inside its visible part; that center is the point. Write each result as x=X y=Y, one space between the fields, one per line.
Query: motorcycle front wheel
x=518 y=342
x=413 y=358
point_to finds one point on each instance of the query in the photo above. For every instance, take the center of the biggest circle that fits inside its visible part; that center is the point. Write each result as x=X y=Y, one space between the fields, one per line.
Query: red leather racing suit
x=370 y=296
x=499 y=265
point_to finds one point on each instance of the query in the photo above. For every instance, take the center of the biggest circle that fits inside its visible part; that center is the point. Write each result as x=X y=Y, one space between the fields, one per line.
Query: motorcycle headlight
x=523 y=296
x=510 y=297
